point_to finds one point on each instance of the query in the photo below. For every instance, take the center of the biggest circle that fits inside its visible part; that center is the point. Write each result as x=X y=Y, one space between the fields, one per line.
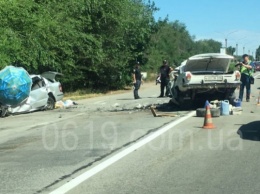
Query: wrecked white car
x=204 y=77
x=44 y=93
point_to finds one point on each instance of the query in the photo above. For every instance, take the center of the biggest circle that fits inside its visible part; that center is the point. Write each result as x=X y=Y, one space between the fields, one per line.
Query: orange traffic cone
x=208 y=124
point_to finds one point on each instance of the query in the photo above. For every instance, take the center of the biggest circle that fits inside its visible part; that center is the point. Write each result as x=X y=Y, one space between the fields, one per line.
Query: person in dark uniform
x=137 y=80
x=164 y=72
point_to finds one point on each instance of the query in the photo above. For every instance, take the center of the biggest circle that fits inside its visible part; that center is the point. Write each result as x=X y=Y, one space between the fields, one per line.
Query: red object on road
x=208 y=124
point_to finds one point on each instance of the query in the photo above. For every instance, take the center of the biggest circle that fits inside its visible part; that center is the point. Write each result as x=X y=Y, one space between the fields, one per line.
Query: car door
x=39 y=94
x=54 y=86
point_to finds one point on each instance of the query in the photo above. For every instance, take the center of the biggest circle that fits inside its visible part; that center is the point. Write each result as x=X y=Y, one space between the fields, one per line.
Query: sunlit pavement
x=189 y=159
x=42 y=151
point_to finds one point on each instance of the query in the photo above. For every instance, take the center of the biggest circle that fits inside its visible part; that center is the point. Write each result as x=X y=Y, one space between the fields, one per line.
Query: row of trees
x=94 y=43
x=173 y=42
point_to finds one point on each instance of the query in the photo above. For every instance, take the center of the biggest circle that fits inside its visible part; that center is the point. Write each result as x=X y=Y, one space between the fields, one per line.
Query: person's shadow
x=250 y=131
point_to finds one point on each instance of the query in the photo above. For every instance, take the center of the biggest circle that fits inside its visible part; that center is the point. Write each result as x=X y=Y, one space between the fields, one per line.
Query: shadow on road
x=167 y=107
x=126 y=98
x=134 y=99
x=250 y=131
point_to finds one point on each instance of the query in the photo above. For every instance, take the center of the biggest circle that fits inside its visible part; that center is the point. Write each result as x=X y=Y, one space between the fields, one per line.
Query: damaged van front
x=204 y=76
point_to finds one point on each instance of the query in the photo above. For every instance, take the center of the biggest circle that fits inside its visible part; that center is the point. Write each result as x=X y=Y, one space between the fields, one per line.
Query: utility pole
x=237 y=44
x=243 y=50
x=226 y=37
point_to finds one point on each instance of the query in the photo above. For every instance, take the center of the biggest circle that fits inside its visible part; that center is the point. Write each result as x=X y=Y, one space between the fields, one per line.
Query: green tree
x=206 y=46
x=171 y=41
x=230 y=50
x=257 y=54
x=92 y=42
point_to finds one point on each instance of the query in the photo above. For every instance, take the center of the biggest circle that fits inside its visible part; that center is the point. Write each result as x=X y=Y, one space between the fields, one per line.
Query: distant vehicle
x=204 y=77
x=257 y=66
x=44 y=93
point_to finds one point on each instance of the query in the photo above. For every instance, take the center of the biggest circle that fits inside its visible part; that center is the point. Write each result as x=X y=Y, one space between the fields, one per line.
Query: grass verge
x=85 y=94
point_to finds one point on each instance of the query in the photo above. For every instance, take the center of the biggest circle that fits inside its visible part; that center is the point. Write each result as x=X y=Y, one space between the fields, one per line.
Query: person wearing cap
x=246 y=69
x=137 y=79
x=164 y=73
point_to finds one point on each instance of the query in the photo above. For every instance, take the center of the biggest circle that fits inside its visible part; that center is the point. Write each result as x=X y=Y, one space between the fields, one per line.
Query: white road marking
x=86 y=175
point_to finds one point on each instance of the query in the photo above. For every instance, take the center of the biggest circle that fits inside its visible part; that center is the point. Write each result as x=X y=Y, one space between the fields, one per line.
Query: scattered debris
x=237 y=110
x=161 y=115
x=215 y=112
x=59 y=104
x=65 y=104
x=116 y=105
x=139 y=106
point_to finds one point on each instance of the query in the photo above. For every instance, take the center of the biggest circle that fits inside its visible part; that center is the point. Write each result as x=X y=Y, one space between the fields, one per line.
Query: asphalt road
x=189 y=159
x=42 y=151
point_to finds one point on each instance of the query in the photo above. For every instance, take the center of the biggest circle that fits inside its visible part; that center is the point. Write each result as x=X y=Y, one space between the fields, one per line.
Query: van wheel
x=215 y=112
x=50 y=104
x=3 y=112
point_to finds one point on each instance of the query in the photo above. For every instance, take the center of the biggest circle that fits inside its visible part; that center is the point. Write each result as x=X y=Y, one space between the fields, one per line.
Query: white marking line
x=83 y=177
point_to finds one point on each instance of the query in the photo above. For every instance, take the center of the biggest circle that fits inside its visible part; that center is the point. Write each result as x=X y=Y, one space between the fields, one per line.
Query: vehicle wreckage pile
x=21 y=92
x=204 y=77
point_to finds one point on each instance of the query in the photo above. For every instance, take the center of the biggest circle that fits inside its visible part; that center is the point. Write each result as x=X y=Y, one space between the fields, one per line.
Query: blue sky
x=236 y=20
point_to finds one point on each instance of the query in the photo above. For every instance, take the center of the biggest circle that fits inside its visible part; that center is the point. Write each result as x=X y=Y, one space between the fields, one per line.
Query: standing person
x=164 y=72
x=246 y=69
x=137 y=80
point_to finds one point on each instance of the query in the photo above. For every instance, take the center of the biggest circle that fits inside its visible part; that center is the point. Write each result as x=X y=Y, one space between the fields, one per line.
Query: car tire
x=50 y=103
x=215 y=112
x=3 y=112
